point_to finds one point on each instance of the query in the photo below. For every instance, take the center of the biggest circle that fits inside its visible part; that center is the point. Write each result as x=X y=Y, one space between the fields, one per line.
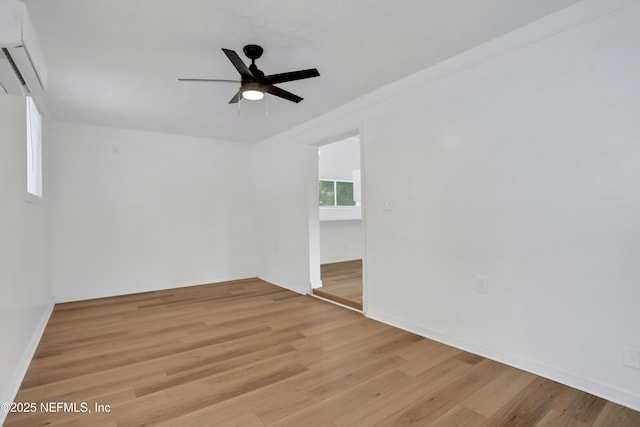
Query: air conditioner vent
x=22 y=70
x=14 y=66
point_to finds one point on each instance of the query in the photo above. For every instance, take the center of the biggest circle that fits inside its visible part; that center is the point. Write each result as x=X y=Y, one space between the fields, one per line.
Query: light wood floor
x=342 y=282
x=251 y=354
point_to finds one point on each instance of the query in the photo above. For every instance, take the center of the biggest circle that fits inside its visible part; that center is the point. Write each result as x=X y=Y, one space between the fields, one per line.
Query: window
x=34 y=149
x=336 y=193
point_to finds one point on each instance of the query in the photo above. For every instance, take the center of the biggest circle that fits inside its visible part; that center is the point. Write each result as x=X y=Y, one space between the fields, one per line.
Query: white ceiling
x=115 y=62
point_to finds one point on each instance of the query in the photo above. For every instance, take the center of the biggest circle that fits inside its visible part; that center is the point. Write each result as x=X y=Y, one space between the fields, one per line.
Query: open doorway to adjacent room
x=341 y=232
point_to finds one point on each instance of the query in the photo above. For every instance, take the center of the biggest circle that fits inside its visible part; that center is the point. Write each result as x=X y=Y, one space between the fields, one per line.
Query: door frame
x=313 y=177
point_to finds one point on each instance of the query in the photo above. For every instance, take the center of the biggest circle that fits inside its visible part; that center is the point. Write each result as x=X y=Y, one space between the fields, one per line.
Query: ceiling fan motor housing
x=253 y=51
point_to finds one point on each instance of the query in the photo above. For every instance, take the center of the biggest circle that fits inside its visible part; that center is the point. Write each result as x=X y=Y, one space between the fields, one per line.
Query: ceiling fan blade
x=293 y=75
x=237 y=62
x=236 y=98
x=282 y=93
x=209 y=80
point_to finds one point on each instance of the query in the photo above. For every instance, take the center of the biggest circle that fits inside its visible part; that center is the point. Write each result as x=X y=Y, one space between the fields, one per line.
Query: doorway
x=340 y=222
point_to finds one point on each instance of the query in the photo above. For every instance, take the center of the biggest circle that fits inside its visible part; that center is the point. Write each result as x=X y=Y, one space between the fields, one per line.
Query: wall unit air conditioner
x=22 y=69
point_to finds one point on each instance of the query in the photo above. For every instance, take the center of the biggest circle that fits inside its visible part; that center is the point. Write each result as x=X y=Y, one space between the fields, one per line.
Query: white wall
x=135 y=211
x=340 y=241
x=286 y=196
x=25 y=295
x=338 y=159
x=517 y=161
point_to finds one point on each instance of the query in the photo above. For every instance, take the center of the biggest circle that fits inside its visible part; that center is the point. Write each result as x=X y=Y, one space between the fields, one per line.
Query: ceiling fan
x=253 y=82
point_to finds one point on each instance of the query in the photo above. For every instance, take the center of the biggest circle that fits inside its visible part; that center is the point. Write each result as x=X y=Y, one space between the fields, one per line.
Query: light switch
x=482 y=284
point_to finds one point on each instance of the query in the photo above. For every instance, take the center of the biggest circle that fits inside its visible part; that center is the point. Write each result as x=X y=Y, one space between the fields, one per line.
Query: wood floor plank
x=428 y=360
x=341 y=299
x=579 y=406
x=429 y=408
x=617 y=415
x=345 y=399
x=382 y=407
x=342 y=283
x=555 y=418
x=218 y=418
x=529 y=406
x=202 y=394
x=249 y=353
x=460 y=416
x=498 y=392
x=323 y=390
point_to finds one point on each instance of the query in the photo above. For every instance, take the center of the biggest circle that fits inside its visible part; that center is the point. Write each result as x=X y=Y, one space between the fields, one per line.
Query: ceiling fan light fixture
x=253 y=95
x=254 y=84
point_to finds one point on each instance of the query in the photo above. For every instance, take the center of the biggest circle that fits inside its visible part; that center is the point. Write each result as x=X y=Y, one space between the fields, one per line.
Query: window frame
x=335 y=193
x=34 y=151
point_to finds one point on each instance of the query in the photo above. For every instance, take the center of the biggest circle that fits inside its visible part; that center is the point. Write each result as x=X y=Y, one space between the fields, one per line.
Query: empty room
x=360 y=213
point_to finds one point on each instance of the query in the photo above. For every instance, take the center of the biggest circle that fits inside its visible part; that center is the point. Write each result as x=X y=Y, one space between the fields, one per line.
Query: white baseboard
x=335 y=303
x=21 y=370
x=150 y=287
x=282 y=284
x=594 y=387
x=316 y=284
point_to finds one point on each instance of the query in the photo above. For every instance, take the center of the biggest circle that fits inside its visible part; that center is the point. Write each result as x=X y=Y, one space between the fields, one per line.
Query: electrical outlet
x=482 y=284
x=632 y=357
